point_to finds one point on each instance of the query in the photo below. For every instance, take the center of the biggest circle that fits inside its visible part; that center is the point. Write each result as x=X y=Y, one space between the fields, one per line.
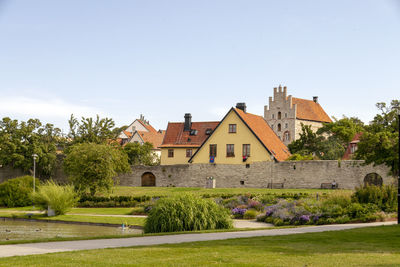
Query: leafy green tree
x=20 y=140
x=90 y=130
x=92 y=166
x=379 y=142
x=309 y=143
x=343 y=130
x=140 y=154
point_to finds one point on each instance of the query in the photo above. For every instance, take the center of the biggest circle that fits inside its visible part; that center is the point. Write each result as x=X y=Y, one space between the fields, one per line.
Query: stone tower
x=285 y=114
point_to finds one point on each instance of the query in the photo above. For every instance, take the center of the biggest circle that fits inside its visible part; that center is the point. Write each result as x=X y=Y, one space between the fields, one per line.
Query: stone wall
x=290 y=174
x=301 y=174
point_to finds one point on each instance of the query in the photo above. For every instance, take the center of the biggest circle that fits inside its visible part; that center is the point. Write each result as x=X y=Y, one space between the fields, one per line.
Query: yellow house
x=182 y=139
x=241 y=138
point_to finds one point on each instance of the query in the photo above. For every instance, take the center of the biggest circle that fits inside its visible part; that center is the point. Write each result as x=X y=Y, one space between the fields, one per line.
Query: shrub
x=17 y=192
x=250 y=214
x=238 y=212
x=341 y=198
x=186 y=213
x=59 y=198
x=385 y=197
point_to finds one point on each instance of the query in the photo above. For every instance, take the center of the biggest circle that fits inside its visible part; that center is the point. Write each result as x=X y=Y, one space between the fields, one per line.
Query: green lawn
x=102 y=211
x=166 y=191
x=374 y=246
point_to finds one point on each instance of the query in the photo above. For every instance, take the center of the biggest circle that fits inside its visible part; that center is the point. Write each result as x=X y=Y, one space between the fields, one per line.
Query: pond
x=28 y=230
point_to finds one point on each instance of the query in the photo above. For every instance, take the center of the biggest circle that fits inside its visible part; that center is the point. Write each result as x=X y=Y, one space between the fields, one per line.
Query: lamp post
x=398 y=169
x=35 y=156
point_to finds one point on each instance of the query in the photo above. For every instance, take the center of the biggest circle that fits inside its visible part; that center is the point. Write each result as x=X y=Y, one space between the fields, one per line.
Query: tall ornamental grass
x=59 y=198
x=383 y=196
x=186 y=213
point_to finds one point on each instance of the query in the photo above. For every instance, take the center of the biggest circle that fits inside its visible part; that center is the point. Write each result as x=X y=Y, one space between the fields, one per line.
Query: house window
x=213 y=151
x=279 y=127
x=353 y=148
x=170 y=153
x=232 y=128
x=189 y=152
x=287 y=136
x=286 y=125
x=279 y=115
x=246 y=150
x=230 y=150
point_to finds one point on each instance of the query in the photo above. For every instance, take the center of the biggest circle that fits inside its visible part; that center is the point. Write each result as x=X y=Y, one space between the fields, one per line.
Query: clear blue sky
x=166 y=58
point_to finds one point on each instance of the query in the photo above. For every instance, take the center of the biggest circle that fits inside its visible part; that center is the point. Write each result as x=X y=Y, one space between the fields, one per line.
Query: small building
x=140 y=131
x=182 y=139
x=285 y=114
x=352 y=147
x=241 y=138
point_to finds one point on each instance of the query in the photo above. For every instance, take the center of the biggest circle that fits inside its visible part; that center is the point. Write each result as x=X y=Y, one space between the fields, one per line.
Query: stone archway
x=148 y=179
x=373 y=179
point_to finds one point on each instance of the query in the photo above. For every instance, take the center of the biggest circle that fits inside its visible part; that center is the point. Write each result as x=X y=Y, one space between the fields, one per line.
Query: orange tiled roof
x=147 y=126
x=153 y=138
x=129 y=134
x=176 y=137
x=309 y=110
x=265 y=134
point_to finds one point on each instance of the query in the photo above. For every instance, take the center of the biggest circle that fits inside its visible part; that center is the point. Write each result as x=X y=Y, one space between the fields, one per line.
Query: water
x=25 y=230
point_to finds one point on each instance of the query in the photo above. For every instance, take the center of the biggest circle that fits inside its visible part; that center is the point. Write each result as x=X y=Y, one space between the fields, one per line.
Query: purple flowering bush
x=238 y=212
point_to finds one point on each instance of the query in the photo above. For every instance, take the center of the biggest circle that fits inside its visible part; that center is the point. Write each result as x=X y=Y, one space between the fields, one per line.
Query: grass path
x=371 y=246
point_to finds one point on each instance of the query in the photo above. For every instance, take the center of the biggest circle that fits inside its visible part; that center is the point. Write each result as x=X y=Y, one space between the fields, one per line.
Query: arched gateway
x=148 y=179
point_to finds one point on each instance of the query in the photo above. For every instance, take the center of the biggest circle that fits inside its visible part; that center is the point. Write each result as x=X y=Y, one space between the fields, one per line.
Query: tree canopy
x=20 y=140
x=89 y=130
x=379 y=142
x=141 y=154
x=92 y=166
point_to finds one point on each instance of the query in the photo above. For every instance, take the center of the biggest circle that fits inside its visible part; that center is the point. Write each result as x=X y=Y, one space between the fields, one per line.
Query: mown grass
x=101 y=211
x=374 y=246
x=167 y=191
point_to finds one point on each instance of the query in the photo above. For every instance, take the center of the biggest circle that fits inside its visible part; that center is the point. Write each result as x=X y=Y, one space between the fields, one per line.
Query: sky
x=123 y=58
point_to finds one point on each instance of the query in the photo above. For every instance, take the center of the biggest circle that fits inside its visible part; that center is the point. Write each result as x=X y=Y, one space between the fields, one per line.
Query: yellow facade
x=179 y=155
x=221 y=137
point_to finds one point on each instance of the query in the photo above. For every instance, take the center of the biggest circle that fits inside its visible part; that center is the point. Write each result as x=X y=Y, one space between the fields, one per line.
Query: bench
x=275 y=185
x=329 y=186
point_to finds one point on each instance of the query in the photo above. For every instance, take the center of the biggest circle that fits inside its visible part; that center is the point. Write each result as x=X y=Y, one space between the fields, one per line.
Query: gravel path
x=51 y=247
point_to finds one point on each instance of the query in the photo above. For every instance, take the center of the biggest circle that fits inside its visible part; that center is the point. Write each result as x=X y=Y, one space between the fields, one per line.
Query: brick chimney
x=188 y=122
x=241 y=106
x=315 y=99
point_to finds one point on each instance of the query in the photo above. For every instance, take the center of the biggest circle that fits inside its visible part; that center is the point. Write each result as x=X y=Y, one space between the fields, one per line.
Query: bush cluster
x=17 y=192
x=112 y=201
x=186 y=213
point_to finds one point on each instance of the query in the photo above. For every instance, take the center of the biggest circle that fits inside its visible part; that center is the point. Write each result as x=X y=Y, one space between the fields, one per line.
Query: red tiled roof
x=265 y=134
x=309 y=110
x=347 y=154
x=153 y=138
x=176 y=137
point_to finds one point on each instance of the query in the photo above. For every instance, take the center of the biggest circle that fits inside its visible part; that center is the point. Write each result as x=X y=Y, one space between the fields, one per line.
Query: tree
x=117 y=130
x=92 y=166
x=379 y=142
x=90 y=130
x=20 y=140
x=140 y=154
x=311 y=145
x=342 y=130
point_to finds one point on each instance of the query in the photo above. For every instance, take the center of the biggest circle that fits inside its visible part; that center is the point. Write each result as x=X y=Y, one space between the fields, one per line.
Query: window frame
x=213 y=150
x=232 y=128
x=189 y=155
x=246 y=150
x=230 y=150
x=170 y=153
